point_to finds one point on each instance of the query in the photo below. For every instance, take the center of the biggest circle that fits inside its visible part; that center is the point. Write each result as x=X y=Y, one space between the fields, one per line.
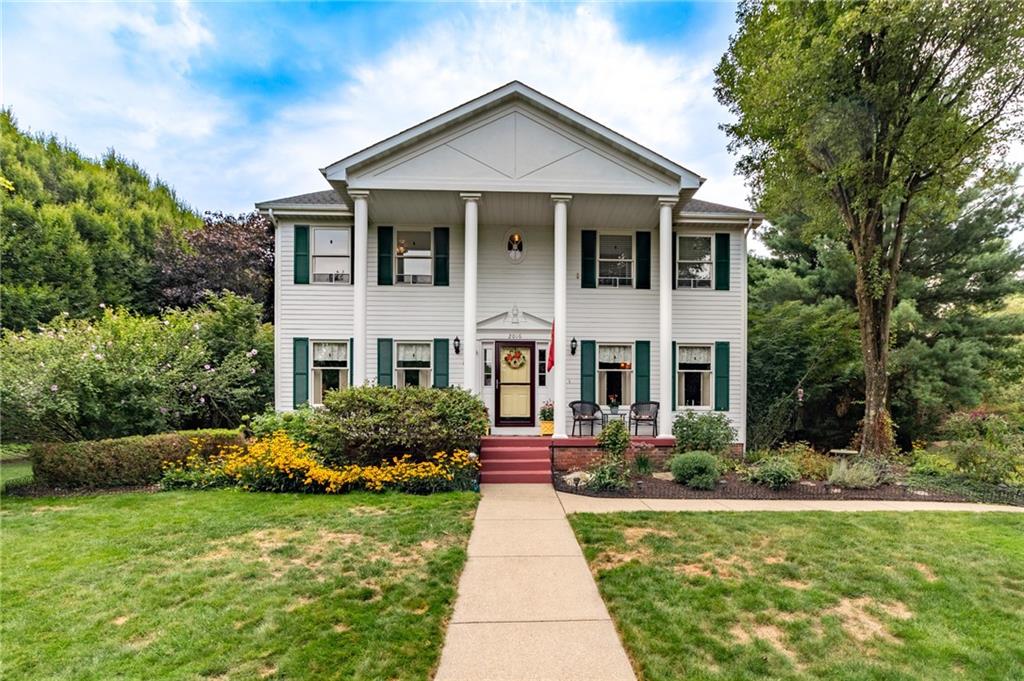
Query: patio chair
x=586 y=412
x=643 y=414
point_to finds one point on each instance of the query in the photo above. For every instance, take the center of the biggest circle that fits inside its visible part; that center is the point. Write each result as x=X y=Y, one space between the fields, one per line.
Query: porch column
x=666 y=269
x=469 y=366
x=561 y=313
x=361 y=269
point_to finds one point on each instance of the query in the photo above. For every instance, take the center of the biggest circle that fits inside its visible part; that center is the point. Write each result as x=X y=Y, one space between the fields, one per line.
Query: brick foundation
x=579 y=453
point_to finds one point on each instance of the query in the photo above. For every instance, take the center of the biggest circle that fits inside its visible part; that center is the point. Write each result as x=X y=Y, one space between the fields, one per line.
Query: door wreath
x=515 y=359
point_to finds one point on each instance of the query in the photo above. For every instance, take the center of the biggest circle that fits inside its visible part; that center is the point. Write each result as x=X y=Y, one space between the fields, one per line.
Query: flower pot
x=547 y=427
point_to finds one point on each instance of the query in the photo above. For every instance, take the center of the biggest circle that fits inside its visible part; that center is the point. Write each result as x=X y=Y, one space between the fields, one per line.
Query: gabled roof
x=339 y=170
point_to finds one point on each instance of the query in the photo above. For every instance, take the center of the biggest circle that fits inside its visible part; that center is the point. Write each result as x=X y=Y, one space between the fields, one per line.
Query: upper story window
x=332 y=255
x=414 y=257
x=330 y=368
x=615 y=260
x=693 y=375
x=614 y=374
x=694 y=262
x=412 y=364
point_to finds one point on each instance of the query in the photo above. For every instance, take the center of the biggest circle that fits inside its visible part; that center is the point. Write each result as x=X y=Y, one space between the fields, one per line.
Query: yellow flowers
x=279 y=464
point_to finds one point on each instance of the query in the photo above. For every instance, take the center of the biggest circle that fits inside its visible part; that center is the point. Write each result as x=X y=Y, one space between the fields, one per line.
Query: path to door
x=528 y=607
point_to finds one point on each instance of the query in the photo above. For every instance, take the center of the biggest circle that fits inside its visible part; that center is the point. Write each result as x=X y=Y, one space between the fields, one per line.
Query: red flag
x=551 y=348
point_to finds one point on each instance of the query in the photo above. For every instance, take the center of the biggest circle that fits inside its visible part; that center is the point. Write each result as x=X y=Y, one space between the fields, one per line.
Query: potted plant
x=613 y=403
x=547 y=418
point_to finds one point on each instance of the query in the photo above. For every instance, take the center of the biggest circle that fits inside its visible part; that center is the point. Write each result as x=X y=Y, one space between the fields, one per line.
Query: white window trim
x=395 y=257
x=313 y=256
x=679 y=406
x=711 y=263
x=616 y=232
x=598 y=370
x=313 y=369
x=430 y=354
x=542 y=367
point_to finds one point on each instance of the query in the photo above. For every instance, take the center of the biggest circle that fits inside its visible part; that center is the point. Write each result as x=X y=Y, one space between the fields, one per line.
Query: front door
x=513 y=385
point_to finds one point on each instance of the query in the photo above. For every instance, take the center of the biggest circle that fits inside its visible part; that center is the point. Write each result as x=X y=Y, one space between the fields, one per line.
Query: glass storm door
x=514 y=384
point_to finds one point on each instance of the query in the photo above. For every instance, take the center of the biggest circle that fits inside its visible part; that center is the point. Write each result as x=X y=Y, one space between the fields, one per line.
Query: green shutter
x=385 y=246
x=675 y=377
x=588 y=367
x=675 y=273
x=722 y=376
x=301 y=254
x=441 y=255
x=588 y=267
x=722 y=261
x=643 y=371
x=300 y=372
x=351 y=357
x=384 y=360
x=440 y=362
x=643 y=260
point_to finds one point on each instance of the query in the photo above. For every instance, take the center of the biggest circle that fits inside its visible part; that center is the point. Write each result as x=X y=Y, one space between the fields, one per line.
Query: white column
x=666 y=270
x=360 y=267
x=561 y=313
x=469 y=366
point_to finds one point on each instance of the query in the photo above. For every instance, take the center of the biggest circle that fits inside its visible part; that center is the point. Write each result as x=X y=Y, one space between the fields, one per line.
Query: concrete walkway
x=528 y=607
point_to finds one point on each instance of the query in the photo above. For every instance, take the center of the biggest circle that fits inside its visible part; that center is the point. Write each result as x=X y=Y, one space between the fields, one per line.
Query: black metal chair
x=643 y=414
x=586 y=412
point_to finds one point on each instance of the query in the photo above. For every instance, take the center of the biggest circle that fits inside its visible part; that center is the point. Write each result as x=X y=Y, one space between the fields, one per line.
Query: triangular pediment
x=514 y=320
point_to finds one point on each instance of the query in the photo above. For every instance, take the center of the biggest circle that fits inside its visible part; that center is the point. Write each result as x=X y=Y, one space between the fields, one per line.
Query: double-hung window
x=694 y=262
x=412 y=364
x=693 y=375
x=615 y=260
x=330 y=368
x=615 y=374
x=414 y=257
x=332 y=255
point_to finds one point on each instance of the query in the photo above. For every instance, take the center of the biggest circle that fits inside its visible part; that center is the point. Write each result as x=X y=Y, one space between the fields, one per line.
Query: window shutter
x=643 y=260
x=722 y=376
x=385 y=247
x=442 y=236
x=675 y=274
x=300 y=372
x=722 y=261
x=643 y=371
x=441 y=363
x=675 y=377
x=588 y=366
x=384 y=361
x=588 y=267
x=301 y=254
x=351 y=358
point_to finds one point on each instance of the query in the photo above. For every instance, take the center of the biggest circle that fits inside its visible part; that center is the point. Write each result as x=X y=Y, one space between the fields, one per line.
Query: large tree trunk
x=877 y=438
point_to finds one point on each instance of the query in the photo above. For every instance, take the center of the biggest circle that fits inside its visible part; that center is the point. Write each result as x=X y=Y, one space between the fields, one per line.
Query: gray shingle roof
x=698 y=206
x=328 y=197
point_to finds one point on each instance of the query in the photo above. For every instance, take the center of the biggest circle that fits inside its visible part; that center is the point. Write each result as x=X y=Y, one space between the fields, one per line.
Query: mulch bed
x=732 y=486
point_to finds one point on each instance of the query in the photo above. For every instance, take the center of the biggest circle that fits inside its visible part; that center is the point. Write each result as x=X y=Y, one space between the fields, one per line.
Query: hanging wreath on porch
x=515 y=359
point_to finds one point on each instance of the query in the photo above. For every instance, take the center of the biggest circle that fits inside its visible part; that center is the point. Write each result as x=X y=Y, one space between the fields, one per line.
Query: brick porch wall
x=579 y=453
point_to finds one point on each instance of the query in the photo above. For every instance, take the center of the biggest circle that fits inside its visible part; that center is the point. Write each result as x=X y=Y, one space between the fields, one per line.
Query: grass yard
x=813 y=595
x=14 y=470
x=226 y=584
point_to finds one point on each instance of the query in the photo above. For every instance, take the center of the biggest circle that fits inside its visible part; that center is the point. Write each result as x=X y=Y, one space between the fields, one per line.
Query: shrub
x=775 y=472
x=986 y=447
x=709 y=432
x=614 y=438
x=297 y=424
x=861 y=475
x=642 y=459
x=811 y=464
x=699 y=470
x=367 y=425
x=929 y=463
x=609 y=473
x=121 y=462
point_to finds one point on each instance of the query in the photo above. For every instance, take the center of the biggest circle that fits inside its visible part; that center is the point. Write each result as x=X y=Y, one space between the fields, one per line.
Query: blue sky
x=233 y=103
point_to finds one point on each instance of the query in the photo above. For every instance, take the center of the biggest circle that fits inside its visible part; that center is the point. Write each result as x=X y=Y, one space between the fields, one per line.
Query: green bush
x=986 y=447
x=811 y=464
x=366 y=425
x=929 y=463
x=860 y=475
x=614 y=438
x=699 y=470
x=642 y=459
x=710 y=432
x=122 y=462
x=610 y=472
x=775 y=472
x=297 y=424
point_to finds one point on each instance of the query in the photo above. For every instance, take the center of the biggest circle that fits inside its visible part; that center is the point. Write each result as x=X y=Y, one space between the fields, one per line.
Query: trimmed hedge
x=122 y=462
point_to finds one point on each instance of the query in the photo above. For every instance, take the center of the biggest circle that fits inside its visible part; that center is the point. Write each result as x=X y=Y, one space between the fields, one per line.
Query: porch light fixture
x=572 y=346
x=457 y=344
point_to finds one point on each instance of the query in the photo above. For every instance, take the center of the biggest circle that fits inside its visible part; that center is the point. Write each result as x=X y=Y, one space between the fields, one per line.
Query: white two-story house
x=466 y=250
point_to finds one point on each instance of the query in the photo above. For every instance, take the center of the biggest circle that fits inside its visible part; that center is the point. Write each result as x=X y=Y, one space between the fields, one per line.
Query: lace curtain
x=413 y=352
x=329 y=352
x=614 y=353
x=689 y=354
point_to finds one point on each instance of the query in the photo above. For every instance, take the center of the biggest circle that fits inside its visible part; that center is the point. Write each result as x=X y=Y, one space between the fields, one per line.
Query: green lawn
x=813 y=595
x=14 y=470
x=229 y=585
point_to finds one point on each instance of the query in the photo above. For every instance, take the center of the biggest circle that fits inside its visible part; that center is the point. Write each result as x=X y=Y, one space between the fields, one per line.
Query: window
x=488 y=367
x=615 y=374
x=542 y=366
x=330 y=368
x=693 y=375
x=332 y=255
x=412 y=365
x=413 y=255
x=615 y=260
x=693 y=263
